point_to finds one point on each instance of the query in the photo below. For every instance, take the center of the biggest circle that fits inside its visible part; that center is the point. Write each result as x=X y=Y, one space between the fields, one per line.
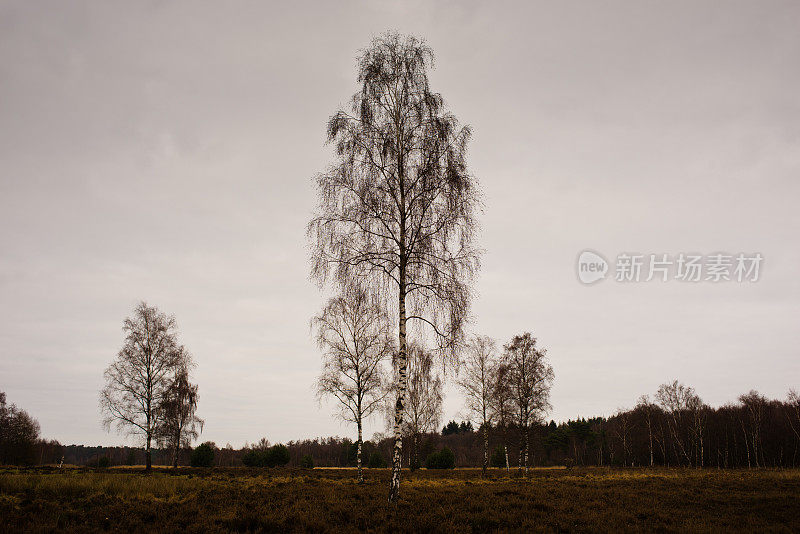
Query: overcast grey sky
x=165 y=151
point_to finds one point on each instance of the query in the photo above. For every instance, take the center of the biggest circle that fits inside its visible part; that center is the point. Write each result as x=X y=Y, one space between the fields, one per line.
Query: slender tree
x=793 y=412
x=179 y=424
x=622 y=430
x=139 y=380
x=647 y=408
x=502 y=403
x=754 y=405
x=396 y=211
x=353 y=332
x=476 y=382
x=423 y=409
x=530 y=379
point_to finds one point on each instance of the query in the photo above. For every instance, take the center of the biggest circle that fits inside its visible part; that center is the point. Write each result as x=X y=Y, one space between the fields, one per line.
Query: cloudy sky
x=165 y=151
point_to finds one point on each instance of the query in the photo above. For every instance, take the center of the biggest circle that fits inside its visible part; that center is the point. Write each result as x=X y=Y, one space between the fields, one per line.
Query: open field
x=328 y=499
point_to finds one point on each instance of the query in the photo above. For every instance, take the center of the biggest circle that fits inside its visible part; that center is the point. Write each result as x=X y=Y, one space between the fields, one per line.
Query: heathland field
x=239 y=499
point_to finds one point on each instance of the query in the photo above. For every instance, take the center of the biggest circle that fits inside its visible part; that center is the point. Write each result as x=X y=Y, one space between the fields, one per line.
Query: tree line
x=751 y=432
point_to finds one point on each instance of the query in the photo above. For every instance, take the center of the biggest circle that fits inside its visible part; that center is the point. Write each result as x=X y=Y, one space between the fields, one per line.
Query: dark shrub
x=104 y=462
x=376 y=461
x=202 y=456
x=443 y=459
x=498 y=457
x=277 y=455
x=414 y=464
x=19 y=433
x=274 y=456
x=254 y=458
x=307 y=462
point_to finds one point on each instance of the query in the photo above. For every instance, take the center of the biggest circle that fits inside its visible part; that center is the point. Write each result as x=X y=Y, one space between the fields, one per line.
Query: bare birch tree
x=530 y=379
x=396 y=212
x=423 y=408
x=647 y=408
x=179 y=424
x=622 y=430
x=353 y=332
x=502 y=403
x=679 y=401
x=477 y=384
x=793 y=413
x=754 y=405
x=139 y=380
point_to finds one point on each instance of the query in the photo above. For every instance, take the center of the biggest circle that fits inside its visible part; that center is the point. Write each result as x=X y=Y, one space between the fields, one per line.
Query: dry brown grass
x=461 y=501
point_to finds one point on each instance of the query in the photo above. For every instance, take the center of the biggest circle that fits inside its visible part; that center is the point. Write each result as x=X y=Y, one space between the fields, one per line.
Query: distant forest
x=754 y=432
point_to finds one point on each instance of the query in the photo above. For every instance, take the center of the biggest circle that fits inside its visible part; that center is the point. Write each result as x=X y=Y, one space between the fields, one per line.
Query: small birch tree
x=677 y=401
x=179 y=425
x=477 y=383
x=353 y=333
x=423 y=408
x=530 y=379
x=502 y=403
x=647 y=408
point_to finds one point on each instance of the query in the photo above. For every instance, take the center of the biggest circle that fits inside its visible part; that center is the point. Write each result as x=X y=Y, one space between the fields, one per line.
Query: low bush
x=202 y=456
x=307 y=462
x=376 y=461
x=498 y=458
x=274 y=456
x=443 y=459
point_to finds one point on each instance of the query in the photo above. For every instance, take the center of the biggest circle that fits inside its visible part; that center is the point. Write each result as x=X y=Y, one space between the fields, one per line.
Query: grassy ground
x=461 y=501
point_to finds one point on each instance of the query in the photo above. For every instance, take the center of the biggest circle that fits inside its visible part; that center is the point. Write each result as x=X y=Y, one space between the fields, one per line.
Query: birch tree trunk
x=358 y=455
x=149 y=462
x=485 y=447
x=402 y=386
x=527 y=444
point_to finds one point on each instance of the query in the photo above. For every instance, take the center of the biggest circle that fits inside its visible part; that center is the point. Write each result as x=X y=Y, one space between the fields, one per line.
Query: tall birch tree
x=396 y=210
x=476 y=382
x=353 y=332
x=139 y=380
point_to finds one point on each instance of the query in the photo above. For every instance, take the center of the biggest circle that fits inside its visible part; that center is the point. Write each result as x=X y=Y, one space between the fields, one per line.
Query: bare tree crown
x=397 y=209
x=353 y=333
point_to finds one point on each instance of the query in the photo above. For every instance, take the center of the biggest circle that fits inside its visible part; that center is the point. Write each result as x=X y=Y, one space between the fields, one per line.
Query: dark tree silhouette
x=139 y=380
x=396 y=212
x=353 y=332
x=19 y=433
x=179 y=425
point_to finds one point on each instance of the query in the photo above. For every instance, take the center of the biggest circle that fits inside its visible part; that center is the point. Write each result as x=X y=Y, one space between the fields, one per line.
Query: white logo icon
x=591 y=267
